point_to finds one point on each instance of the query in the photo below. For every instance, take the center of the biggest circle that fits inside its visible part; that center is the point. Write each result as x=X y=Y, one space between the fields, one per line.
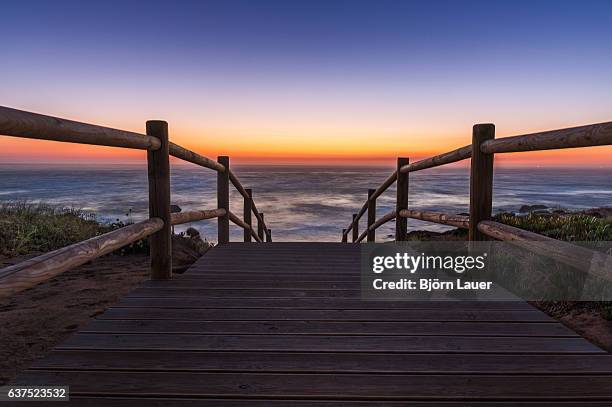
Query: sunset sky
x=312 y=81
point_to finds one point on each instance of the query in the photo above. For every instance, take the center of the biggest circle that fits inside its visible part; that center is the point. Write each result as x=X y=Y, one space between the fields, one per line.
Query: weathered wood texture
x=19 y=123
x=355 y=226
x=258 y=215
x=371 y=232
x=33 y=271
x=195 y=158
x=238 y=185
x=232 y=331
x=595 y=263
x=158 y=162
x=223 y=200
x=383 y=219
x=261 y=227
x=401 y=200
x=194 y=216
x=459 y=221
x=481 y=180
x=237 y=221
x=385 y=185
x=247 y=211
x=441 y=159
x=583 y=136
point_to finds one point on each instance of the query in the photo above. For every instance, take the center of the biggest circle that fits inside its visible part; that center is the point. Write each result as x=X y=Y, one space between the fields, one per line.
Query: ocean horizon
x=300 y=202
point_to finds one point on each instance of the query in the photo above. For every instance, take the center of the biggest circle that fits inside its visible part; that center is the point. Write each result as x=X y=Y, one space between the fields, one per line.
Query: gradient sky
x=304 y=81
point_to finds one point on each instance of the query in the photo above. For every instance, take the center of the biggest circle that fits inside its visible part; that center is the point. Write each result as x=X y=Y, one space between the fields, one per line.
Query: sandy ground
x=36 y=320
x=592 y=326
x=582 y=317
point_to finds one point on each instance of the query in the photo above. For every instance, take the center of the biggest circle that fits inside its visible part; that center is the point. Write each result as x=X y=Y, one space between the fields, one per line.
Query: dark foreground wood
x=281 y=324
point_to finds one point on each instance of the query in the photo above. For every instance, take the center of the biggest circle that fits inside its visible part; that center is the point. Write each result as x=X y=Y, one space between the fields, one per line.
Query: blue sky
x=298 y=75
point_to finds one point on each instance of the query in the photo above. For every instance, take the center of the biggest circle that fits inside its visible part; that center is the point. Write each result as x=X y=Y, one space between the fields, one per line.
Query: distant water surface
x=299 y=202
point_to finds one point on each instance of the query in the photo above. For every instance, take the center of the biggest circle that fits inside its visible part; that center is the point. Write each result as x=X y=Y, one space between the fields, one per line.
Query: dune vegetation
x=29 y=228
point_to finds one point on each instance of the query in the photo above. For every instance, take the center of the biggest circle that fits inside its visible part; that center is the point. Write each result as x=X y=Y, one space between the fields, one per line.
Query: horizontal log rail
x=384 y=186
x=195 y=158
x=194 y=216
x=595 y=263
x=19 y=123
x=242 y=190
x=389 y=216
x=258 y=216
x=438 y=160
x=358 y=216
x=28 y=273
x=381 y=221
x=237 y=221
x=459 y=221
x=583 y=136
x=481 y=151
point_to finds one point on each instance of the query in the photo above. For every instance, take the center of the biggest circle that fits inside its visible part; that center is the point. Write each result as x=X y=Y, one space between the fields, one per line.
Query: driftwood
x=31 y=272
x=18 y=123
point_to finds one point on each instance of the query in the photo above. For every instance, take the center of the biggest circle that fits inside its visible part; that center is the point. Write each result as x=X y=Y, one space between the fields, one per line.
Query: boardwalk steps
x=282 y=324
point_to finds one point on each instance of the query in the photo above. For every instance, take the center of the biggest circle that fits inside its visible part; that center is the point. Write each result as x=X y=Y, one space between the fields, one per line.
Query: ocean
x=301 y=203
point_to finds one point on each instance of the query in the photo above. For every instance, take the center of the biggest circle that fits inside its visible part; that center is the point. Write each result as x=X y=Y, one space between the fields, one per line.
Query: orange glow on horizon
x=299 y=150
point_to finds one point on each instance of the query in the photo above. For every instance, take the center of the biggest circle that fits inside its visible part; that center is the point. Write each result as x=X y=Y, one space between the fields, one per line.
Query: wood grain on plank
x=335 y=343
x=326 y=362
x=359 y=386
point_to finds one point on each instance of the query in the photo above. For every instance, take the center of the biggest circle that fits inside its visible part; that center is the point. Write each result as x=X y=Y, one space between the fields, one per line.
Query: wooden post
x=223 y=200
x=158 y=163
x=344 y=236
x=401 y=201
x=269 y=236
x=371 y=236
x=260 y=227
x=355 y=228
x=248 y=209
x=481 y=180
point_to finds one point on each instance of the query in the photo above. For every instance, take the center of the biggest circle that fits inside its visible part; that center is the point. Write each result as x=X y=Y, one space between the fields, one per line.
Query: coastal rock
x=532 y=208
x=603 y=213
x=187 y=247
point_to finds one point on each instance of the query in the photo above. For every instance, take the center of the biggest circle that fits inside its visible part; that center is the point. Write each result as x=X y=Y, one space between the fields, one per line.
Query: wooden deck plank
x=216 y=402
x=236 y=314
x=336 y=343
x=254 y=284
x=326 y=362
x=284 y=325
x=321 y=386
x=243 y=293
x=318 y=303
x=488 y=329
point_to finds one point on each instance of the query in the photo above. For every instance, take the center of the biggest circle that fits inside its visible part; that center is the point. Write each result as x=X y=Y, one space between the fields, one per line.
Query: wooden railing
x=23 y=124
x=482 y=150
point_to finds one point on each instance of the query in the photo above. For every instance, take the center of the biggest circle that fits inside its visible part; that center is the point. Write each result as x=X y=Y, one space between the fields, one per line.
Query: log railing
x=157 y=228
x=482 y=150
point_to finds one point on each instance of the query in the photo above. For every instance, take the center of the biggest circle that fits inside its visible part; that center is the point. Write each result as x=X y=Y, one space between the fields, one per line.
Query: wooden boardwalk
x=282 y=324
